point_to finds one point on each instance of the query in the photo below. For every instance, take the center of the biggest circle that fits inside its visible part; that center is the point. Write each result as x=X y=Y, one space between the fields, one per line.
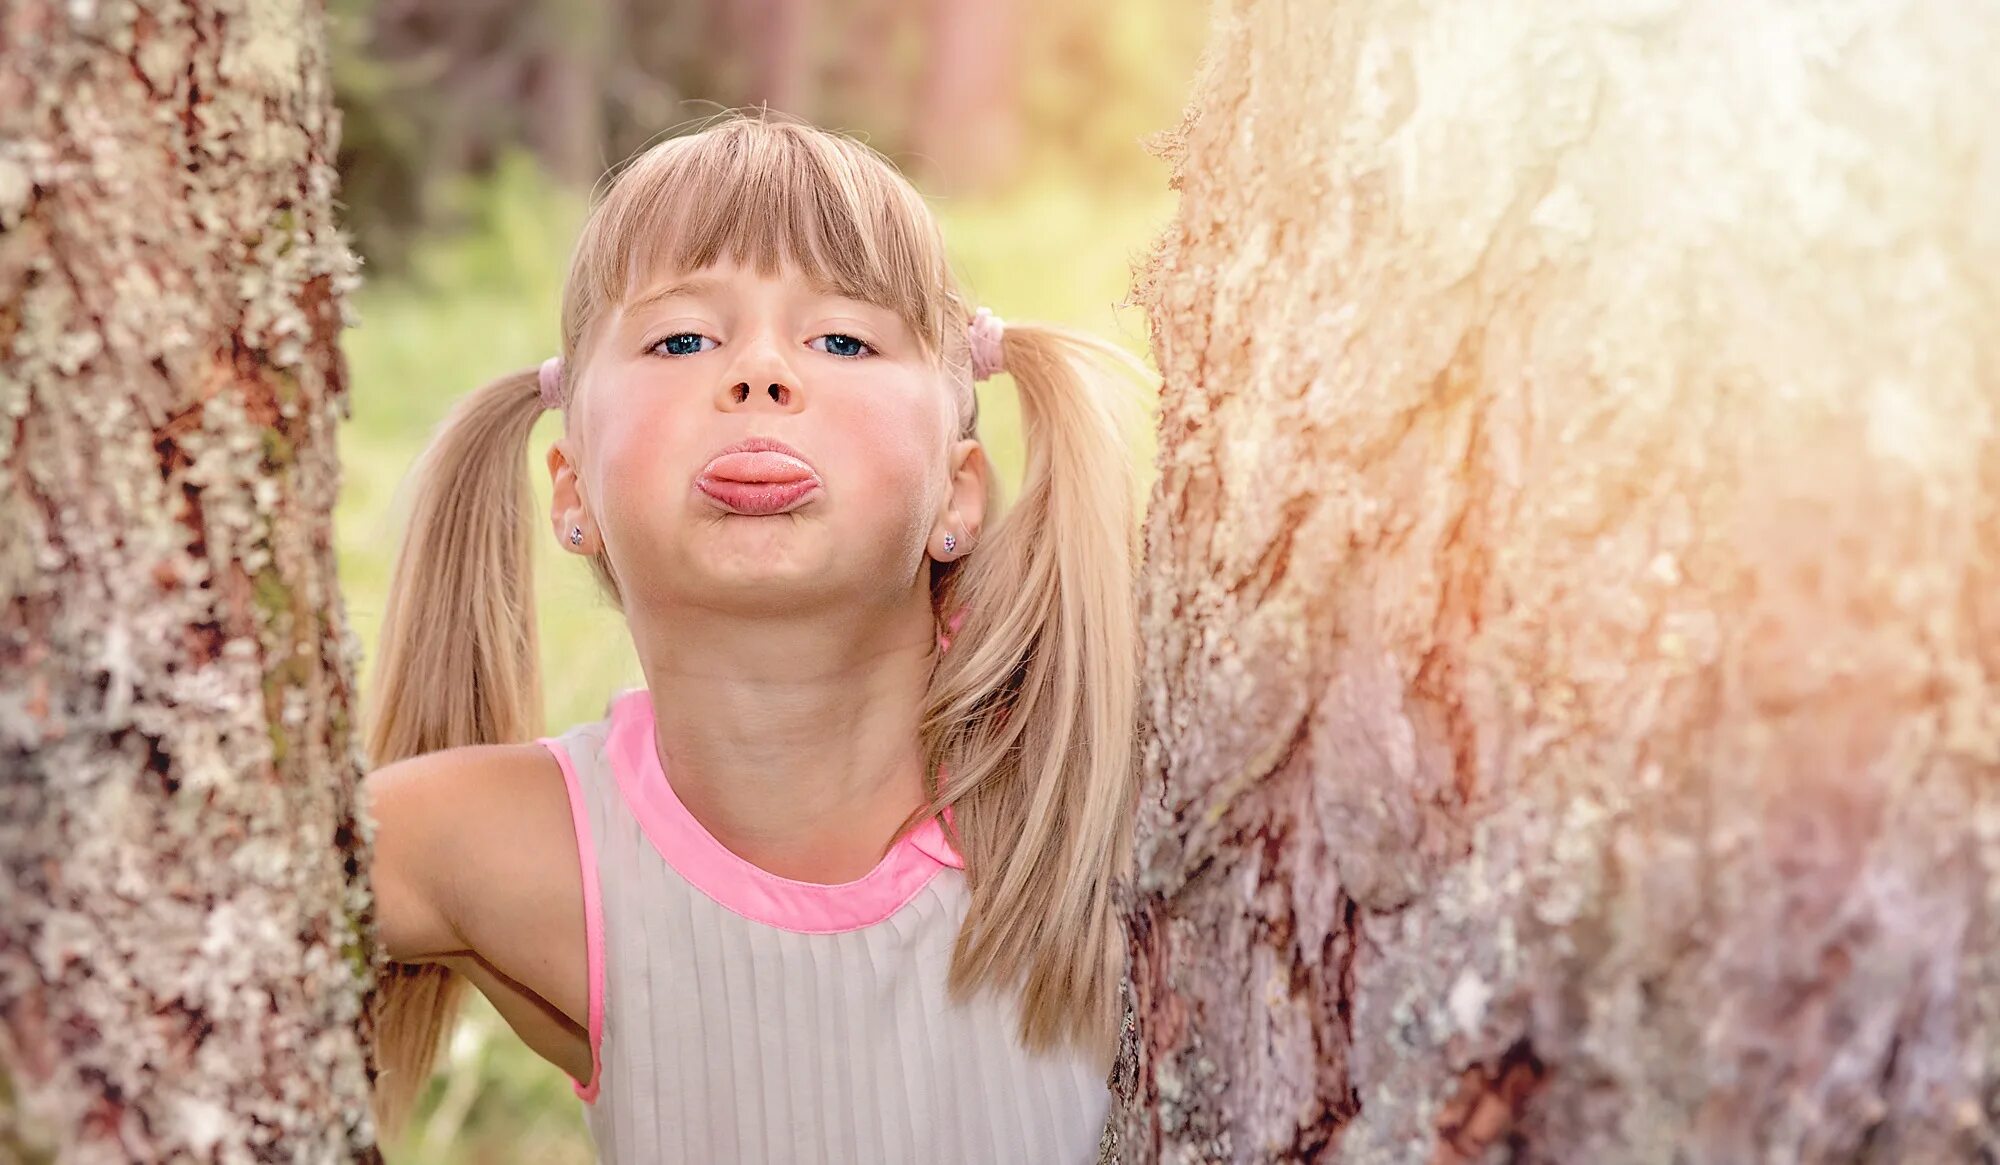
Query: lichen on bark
x=1572 y=593
x=179 y=825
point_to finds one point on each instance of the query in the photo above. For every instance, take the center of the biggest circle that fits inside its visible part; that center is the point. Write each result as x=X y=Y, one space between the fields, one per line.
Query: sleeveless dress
x=737 y=1016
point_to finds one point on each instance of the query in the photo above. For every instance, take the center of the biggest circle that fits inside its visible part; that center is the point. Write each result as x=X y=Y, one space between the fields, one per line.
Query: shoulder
x=497 y=784
x=444 y=792
x=467 y=835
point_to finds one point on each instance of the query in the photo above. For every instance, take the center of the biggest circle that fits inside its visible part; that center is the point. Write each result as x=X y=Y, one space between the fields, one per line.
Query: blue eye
x=833 y=338
x=676 y=344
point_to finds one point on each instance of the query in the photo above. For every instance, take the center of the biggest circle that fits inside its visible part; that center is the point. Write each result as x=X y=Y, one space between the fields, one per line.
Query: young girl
x=836 y=884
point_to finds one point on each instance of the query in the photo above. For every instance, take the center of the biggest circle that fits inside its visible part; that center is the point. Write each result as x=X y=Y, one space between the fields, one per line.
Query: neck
x=794 y=741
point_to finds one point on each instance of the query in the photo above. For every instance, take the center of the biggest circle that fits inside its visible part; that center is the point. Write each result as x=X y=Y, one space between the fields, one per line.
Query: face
x=740 y=440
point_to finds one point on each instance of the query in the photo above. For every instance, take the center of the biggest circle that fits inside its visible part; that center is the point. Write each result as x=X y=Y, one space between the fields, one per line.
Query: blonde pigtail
x=457 y=665
x=1031 y=712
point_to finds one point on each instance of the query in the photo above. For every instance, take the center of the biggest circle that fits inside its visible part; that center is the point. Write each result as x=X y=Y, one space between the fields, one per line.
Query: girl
x=836 y=884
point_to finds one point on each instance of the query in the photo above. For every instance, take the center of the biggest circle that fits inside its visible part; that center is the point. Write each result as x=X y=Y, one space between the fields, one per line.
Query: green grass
x=486 y=303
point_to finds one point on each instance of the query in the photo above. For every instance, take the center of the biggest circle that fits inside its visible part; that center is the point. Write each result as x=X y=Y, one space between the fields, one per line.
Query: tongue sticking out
x=758 y=483
x=764 y=466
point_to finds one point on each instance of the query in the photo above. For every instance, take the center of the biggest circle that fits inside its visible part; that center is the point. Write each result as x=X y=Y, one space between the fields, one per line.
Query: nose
x=761 y=380
x=741 y=393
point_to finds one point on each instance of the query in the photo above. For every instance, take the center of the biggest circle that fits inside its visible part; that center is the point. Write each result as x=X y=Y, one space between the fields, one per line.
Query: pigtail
x=456 y=665
x=1031 y=715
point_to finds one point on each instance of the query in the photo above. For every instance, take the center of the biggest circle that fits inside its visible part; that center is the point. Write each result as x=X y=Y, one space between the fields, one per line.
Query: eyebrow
x=694 y=285
x=697 y=285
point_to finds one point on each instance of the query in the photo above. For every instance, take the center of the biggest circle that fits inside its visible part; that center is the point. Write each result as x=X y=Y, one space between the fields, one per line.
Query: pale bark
x=181 y=951
x=1573 y=589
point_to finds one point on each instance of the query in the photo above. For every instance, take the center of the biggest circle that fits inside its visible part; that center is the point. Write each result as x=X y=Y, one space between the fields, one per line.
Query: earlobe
x=951 y=540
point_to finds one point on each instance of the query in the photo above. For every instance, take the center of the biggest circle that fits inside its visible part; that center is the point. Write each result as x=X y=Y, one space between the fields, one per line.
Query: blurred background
x=473 y=133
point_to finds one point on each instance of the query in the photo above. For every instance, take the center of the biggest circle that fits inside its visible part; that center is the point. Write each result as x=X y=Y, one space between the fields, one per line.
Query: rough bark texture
x=181 y=966
x=1573 y=588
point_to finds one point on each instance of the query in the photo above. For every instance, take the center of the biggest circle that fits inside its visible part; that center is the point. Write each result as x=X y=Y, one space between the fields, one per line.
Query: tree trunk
x=1573 y=589
x=181 y=960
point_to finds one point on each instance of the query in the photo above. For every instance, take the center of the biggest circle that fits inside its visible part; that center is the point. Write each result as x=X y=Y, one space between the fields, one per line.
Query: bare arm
x=416 y=847
x=474 y=851
x=476 y=867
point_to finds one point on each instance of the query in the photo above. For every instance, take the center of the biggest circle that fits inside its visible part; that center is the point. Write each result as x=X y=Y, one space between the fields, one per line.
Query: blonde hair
x=1029 y=717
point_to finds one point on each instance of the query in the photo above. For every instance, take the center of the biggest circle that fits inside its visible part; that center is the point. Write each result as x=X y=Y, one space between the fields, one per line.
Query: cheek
x=638 y=463
x=891 y=459
x=632 y=455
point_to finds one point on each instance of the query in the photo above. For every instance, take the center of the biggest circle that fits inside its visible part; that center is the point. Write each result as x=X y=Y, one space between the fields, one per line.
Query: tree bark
x=181 y=960
x=1573 y=589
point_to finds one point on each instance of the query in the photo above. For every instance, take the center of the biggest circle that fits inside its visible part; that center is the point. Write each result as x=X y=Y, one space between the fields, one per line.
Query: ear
x=569 y=511
x=964 y=509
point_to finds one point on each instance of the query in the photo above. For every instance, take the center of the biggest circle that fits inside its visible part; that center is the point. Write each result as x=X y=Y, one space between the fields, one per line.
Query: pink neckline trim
x=740 y=886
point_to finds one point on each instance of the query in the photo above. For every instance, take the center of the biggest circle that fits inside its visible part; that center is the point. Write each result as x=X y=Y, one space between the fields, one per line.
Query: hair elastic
x=551 y=381
x=987 y=331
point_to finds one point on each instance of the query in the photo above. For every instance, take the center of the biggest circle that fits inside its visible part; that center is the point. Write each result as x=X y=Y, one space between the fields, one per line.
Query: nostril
x=740 y=393
x=779 y=393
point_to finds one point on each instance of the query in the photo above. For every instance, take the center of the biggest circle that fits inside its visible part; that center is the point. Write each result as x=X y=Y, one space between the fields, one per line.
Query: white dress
x=737 y=1016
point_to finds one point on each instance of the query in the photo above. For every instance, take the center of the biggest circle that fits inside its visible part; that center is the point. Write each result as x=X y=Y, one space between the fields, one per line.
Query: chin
x=760 y=582
x=760 y=556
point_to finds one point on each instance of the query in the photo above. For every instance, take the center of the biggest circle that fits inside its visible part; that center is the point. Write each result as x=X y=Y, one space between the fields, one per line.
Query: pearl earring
x=950 y=543
x=576 y=535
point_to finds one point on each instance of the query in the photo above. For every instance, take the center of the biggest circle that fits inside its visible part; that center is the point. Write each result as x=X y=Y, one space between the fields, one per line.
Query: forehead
x=724 y=284
x=724 y=279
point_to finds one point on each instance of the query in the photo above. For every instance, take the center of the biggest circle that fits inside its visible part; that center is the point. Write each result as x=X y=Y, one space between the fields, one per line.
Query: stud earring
x=950 y=543
x=576 y=535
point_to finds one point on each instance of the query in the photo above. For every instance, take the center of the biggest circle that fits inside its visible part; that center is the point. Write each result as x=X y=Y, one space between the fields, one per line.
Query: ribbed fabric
x=725 y=1039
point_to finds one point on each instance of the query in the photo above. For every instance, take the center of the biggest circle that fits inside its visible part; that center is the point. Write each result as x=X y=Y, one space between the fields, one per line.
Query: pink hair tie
x=551 y=378
x=987 y=330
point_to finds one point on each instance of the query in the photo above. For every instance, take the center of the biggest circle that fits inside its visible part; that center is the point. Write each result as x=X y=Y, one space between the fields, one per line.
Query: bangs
x=765 y=195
